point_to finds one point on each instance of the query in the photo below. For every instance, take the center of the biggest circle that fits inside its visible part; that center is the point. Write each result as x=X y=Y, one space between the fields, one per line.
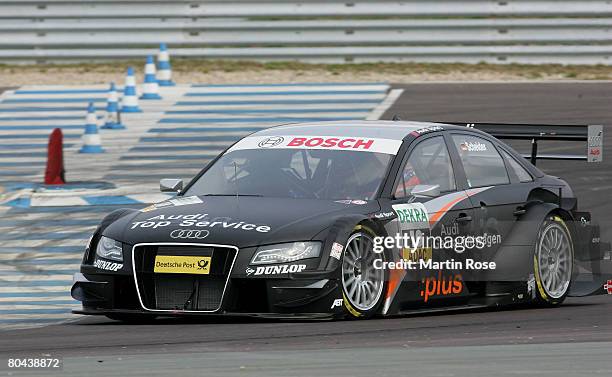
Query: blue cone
x=164 y=70
x=150 y=87
x=113 y=119
x=91 y=138
x=129 y=102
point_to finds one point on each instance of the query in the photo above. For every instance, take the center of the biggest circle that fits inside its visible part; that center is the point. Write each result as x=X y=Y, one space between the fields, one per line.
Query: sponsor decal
x=173 y=264
x=182 y=201
x=106 y=265
x=350 y=201
x=595 y=143
x=271 y=142
x=608 y=287
x=449 y=229
x=584 y=221
x=417 y=254
x=384 y=215
x=440 y=286
x=275 y=269
x=473 y=146
x=189 y=234
x=337 y=303
x=531 y=286
x=336 y=250
x=155 y=206
x=198 y=220
x=425 y=130
x=176 y=202
x=331 y=142
x=377 y=145
x=412 y=216
x=414 y=226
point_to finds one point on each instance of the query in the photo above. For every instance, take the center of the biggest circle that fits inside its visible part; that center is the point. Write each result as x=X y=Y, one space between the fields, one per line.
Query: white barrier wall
x=513 y=31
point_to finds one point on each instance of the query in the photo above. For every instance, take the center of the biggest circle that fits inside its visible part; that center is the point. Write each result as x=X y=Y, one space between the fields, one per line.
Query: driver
x=410 y=179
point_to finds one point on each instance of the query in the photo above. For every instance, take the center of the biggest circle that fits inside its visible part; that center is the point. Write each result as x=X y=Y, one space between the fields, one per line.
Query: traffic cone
x=164 y=71
x=150 y=88
x=112 y=120
x=129 y=103
x=91 y=138
x=54 y=173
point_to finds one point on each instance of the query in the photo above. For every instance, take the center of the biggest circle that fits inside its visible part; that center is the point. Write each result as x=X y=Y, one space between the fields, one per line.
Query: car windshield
x=295 y=173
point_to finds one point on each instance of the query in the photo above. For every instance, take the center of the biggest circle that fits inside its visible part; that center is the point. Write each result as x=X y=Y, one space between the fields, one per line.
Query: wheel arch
x=524 y=231
x=339 y=232
x=514 y=258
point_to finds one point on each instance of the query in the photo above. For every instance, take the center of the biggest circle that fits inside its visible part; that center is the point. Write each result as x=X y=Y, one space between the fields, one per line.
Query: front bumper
x=310 y=295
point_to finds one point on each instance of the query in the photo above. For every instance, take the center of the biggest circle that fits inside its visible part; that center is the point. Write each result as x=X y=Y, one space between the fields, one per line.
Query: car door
x=424 y=213
x=497 y=184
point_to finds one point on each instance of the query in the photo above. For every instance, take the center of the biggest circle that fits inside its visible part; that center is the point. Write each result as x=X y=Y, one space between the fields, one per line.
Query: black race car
x=353 y=219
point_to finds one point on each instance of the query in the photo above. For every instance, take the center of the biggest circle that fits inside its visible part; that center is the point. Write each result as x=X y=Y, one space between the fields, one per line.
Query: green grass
x=180 y=65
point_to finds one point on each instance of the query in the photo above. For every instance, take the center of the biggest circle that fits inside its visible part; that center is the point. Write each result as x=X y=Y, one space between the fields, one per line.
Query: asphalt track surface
x=572 y=340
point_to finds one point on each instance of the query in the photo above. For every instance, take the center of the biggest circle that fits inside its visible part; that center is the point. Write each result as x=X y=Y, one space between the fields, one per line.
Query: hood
x=227 y=220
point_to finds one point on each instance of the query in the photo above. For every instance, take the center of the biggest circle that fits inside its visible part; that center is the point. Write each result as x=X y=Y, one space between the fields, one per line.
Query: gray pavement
x=579 y=360
x=574 y=339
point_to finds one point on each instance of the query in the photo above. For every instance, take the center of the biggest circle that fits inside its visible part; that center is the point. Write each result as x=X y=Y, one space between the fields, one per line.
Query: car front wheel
x=362 y=284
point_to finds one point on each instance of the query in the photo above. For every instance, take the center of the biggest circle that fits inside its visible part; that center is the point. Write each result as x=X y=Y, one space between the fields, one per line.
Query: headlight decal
x=286 y=252
x=108 y=248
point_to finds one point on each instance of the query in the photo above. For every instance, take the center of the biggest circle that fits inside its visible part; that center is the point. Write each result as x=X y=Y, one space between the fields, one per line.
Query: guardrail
x=563 y=31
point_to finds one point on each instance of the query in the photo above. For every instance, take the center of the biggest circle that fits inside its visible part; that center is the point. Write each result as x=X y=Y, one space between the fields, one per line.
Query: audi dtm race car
x=330 y=220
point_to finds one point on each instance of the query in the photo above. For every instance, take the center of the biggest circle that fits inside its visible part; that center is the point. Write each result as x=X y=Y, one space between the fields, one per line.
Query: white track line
x=378 y=112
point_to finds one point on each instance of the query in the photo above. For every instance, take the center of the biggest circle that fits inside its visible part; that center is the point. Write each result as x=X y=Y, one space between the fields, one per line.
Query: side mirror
x=170 y=185
x=427 y=191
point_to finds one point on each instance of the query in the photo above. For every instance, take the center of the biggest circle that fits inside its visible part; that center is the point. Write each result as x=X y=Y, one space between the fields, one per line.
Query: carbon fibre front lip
x=193 y=314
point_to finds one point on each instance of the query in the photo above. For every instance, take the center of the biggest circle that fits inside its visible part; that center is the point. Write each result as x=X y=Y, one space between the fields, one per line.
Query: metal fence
x=561 y=31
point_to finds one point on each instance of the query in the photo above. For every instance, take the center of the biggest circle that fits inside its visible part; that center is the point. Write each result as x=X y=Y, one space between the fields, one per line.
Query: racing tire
x=553 y=262
x=132 y=318
x=363 y=286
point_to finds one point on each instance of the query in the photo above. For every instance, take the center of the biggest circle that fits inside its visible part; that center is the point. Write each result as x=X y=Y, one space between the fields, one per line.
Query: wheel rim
x=555 y=260
x=362 y=283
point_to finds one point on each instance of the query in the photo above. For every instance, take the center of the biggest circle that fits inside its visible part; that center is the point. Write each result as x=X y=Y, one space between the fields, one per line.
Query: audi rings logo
x=271 y=142
x=190 y=234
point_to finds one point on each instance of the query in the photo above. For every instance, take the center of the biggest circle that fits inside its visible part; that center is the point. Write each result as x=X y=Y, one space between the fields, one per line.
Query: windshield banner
x=360 y=144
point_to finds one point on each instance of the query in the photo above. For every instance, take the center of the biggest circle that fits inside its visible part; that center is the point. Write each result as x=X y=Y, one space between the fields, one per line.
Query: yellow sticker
x=424 y=253
x=172 y=264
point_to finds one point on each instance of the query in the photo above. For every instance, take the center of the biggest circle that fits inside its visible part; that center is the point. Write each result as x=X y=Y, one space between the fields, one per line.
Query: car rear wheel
x=362 y=284
x=553 y=262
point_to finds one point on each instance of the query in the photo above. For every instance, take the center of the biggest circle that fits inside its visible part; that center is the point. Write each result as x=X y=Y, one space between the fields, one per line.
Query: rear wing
x=592 y=134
